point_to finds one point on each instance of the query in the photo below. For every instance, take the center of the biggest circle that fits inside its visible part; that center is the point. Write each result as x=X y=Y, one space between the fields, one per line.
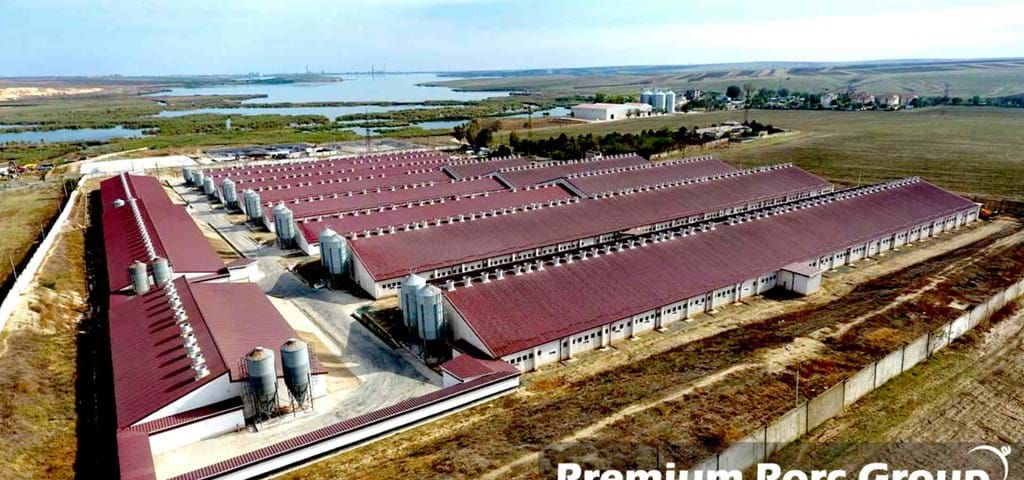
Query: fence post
x=844 y=395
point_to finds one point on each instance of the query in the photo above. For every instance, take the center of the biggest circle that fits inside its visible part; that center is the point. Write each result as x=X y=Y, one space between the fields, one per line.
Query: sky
x=149 y=37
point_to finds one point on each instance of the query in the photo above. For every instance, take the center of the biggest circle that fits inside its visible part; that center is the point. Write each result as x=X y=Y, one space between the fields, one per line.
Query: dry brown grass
x=37 y=372
x=25 y=212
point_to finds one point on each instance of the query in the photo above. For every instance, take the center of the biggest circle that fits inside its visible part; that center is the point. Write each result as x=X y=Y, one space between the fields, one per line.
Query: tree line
x=647 y=143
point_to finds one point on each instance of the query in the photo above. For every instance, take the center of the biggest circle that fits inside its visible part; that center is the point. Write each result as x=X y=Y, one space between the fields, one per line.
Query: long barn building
x=584 y=302
x=379 y=262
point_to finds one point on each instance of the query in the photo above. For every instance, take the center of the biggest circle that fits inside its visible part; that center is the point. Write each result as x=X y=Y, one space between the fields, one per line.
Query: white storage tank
x=333 y=252
x=284 y=225
x=670 y=101
x=140 y=277
x=186 y=173
x=647 y=97
x=407 y=299
x=659 y=101
x=429 y=313
x=228 y=193
x=253 y=208
x=161 y=271
x=197 y=178
x=262 y=382
x=208 y=188
x=295 y=362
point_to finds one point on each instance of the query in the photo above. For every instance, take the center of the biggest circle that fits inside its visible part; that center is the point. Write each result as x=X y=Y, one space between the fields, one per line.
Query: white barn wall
x=196 y=431
x=217 y=390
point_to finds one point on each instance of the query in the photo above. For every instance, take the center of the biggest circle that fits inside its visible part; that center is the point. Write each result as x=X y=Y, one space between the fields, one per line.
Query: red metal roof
x=374 y=200
x=343 y=427
x=307 y=189
x=657 y=174
x=534 y=176
x=151 y=367
x=334 y=173
x=363 y=161
x=402 y=215
x=477 y=169
x=174 y=234
x=467 y=367
x=190 y=416
x=523 y=311
x=134 y=457
x=395 y=255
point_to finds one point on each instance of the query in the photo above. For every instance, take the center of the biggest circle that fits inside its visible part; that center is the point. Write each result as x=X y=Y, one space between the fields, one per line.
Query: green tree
x=733 y=91
x=472 y=130
x=483 y=139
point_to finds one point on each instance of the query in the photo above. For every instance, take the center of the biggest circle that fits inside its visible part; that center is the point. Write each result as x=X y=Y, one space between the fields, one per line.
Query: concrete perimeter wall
x=28 y=274
x=810 y=414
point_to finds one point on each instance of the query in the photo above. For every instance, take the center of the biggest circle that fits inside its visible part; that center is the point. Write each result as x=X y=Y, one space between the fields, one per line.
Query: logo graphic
x=1002 y=453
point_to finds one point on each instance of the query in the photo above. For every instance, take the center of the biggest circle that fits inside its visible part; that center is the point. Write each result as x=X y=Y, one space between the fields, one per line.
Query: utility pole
x=797 y=377
x=15 y=270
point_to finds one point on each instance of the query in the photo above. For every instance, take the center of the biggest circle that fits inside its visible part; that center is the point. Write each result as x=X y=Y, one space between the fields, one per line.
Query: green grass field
x=968 y=150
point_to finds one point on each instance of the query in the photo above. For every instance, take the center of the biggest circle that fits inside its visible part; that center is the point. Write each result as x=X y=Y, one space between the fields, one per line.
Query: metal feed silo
x=228 y=193
x=428 y=313
x=407 y=299
x=197 y=178
x=140 y=277
x=333 y=252
x=670 y=101
x=161 y=271
x=284 y=225
x=253 y=208
x=186 y=173
x=659 y=101
x=208 y=187
x=295 y=362
x=647 y=97
x=261 y=391
x=246 y=200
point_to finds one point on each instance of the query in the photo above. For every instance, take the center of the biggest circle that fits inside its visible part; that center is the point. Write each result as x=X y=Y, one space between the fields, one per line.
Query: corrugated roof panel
x=391 y=256
x=477 y=169
x=402 y=214
x=534 y=176
x=174 y=234
x=306 y=188
x=523 y=311
x=669 y=172
x=361 y=201
x=134 y=457
x=296 y=166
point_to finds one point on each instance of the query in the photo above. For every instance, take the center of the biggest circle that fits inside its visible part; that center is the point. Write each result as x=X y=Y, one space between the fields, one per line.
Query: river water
x=354 y=88
x=70 y=135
